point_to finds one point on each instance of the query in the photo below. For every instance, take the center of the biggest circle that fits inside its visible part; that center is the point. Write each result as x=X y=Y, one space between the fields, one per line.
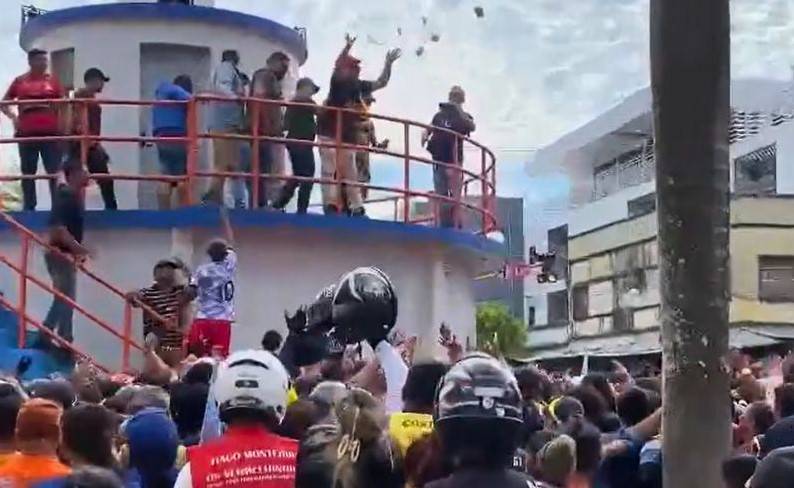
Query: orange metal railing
x=24 y=275
x=468 y=180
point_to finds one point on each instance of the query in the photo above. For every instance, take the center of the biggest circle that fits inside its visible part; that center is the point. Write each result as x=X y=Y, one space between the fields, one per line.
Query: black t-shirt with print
x=442 y=143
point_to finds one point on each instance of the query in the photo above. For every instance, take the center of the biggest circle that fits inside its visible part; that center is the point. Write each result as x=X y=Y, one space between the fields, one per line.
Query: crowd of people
x=346 y=401
x=304 y=124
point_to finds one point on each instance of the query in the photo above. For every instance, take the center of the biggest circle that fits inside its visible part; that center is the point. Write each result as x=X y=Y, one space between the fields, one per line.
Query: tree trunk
x=690 y=71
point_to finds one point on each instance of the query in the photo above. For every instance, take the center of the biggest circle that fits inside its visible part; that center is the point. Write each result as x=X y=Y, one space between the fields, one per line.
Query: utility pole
x=690 y=72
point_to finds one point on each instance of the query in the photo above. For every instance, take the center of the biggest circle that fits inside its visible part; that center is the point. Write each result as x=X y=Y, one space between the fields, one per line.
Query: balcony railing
x=624 y=173
x=476 y=177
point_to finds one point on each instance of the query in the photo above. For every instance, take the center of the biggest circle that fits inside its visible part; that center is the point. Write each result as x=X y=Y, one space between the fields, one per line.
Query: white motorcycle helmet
x=252 y=380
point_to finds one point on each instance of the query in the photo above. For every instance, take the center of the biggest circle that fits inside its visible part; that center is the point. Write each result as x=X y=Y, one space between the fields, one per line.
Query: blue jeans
x=64 y=279
x=29 y=153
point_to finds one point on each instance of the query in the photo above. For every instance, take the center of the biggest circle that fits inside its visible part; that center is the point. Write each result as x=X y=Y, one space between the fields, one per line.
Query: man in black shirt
x=447 y=147
x=301 y=124
x=66 y=235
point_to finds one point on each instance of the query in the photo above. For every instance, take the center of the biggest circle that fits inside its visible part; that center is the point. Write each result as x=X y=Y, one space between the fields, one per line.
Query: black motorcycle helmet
x=479 y=387
x=319 y=312
x=479 y=413
x=364 y=306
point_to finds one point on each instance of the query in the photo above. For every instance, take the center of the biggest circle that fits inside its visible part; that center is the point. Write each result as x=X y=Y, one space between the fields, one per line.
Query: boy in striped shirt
x=168 y=299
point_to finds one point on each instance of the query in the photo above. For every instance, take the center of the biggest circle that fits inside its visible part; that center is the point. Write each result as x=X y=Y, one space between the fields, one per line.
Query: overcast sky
x=533 y=69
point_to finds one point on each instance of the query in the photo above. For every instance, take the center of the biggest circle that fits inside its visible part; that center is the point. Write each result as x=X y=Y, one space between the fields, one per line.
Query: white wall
x=115 y=48
x=606 y=210
x=279 y=270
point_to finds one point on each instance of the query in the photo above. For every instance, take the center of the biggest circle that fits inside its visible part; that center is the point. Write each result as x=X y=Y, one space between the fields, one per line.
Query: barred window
x=776 y=278
x=756 y=172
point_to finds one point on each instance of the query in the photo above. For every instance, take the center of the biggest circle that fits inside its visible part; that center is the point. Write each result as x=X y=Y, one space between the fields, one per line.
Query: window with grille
x=631 y=168
x=776 y=278
x=605 y=180
x=756 y=172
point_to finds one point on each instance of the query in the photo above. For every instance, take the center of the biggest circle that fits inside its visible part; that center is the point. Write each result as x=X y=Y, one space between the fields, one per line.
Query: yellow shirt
x=22 y=470
x=292 y=396
x=405 y=428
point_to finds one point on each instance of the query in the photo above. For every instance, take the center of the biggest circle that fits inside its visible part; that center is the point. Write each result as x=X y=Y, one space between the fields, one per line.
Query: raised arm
x=349 y=41
x=648 y=427
x=228 y=232
x=385 y=75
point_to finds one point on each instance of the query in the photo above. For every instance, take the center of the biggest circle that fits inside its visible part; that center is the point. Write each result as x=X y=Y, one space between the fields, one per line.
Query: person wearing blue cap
x=153 y=444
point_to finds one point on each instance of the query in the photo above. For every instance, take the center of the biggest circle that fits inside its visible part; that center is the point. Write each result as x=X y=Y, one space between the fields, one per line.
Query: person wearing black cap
x=167 y=298
x=97 y=158
x=301 y=123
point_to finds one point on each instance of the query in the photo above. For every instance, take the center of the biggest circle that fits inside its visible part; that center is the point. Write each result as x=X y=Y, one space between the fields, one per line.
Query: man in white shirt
x=213 y=286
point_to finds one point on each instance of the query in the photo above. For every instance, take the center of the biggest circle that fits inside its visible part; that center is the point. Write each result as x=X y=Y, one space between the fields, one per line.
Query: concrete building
x=613 y=262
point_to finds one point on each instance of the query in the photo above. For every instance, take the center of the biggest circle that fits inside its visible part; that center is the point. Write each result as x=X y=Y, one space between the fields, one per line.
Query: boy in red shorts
x=213 y=285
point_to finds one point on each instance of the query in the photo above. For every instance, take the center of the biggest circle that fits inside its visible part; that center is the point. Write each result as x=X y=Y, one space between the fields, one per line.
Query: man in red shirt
x=250 y=389
x=36 y=120
x=97 y=159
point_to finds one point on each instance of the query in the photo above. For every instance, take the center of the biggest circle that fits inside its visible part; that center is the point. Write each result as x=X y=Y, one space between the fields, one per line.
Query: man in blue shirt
x=170 y=120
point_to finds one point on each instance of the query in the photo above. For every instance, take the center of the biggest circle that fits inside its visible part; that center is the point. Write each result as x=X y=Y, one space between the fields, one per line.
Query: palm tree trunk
x=690 y=70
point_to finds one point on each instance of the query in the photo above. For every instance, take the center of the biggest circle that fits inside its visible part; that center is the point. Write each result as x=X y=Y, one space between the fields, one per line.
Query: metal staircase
x=20 y=330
